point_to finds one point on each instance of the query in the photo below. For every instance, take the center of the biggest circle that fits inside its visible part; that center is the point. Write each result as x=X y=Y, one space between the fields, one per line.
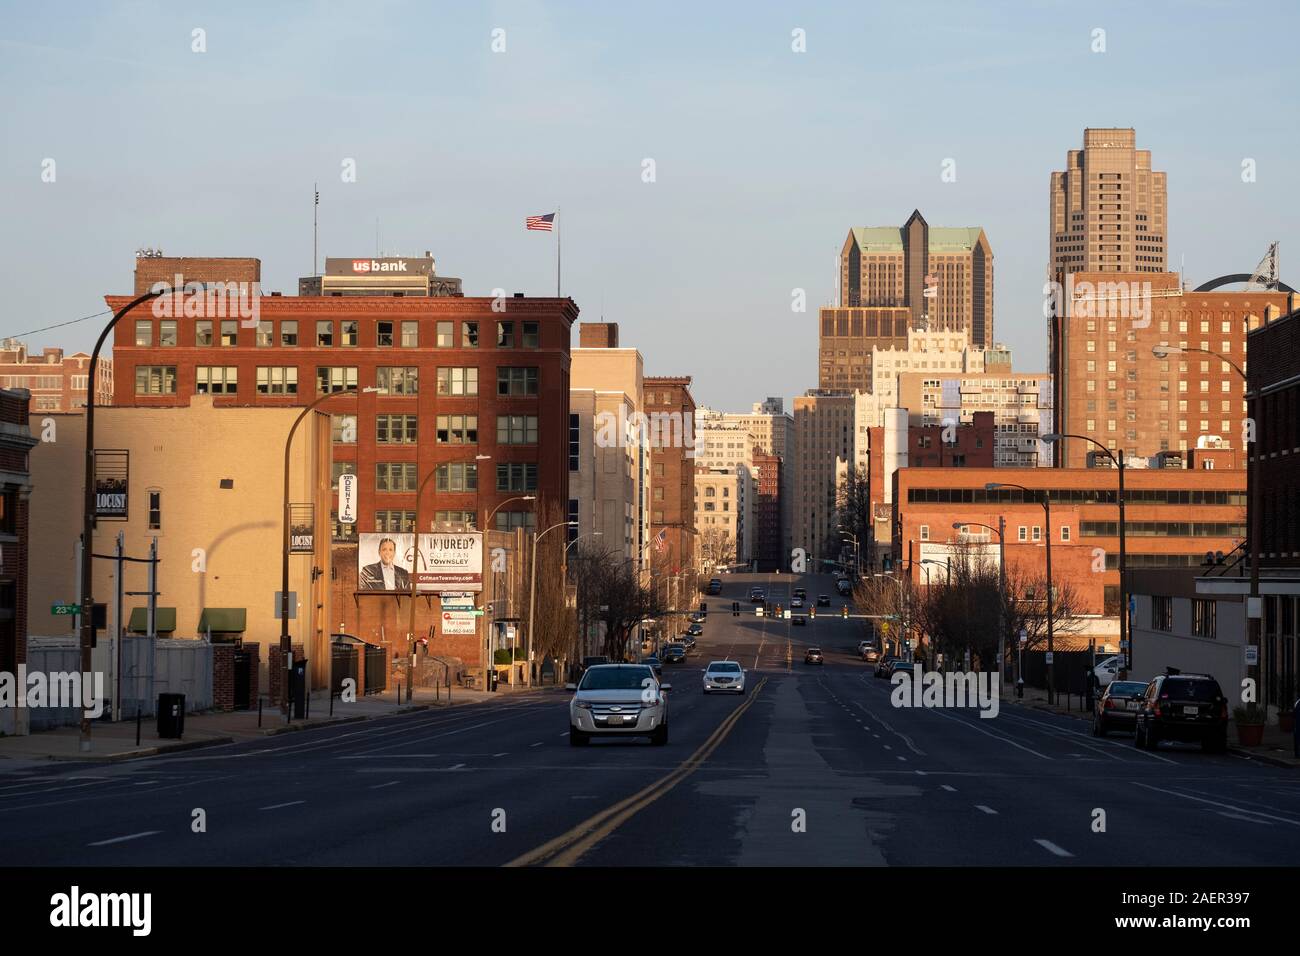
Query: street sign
x=884 y=627
x=65 y=609
x=758 y=612
x=293 y=605
x=1252 y=655
x=1049 y=657
x=458 y=622
x=787 y=615
x=1024 y=638
x=347 y=499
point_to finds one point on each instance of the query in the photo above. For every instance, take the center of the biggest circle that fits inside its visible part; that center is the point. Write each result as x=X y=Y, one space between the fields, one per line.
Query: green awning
x=164 y=620
x=222 y=619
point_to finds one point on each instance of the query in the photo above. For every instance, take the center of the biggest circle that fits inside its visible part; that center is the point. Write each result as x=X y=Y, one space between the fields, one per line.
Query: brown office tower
x=670 y=412
x=824 y=445
x=1108 y=207
x=942 y=276
x=1113 y=383
x=768 y=548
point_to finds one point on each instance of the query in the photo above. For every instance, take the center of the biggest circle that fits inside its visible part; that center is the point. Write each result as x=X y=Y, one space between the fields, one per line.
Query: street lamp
x=493 y=623
x=857 y=561
x=946 y=563
x=902 y=600
x=1047 y=511
x=532 y=588
x=1125 y=635
x=1253 y=533
x=1000 y=531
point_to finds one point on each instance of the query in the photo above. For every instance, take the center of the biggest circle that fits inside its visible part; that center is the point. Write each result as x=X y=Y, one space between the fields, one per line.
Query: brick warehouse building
x=768 y=549
x=1173 y=517
x=16 y=441
x=672 y=469
x=474 y=392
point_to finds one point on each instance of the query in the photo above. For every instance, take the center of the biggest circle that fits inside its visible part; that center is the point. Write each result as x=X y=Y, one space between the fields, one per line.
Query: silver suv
x=614 y=700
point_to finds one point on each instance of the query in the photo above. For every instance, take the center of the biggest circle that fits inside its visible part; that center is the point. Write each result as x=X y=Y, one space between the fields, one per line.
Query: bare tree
x=853 y=511
x=612 y=595
x=893 y=603
x=717 y=546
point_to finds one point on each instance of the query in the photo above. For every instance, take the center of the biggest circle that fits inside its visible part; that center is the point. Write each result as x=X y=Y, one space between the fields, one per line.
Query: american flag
x=659 y=539
x=542 y=223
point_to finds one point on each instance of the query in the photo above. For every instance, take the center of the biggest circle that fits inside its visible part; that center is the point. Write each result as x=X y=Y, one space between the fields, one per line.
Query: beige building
x=824 y=448
x=723 y=515
x=609 y=447
x=1108 y=207
x=207 y=484
x=942 y=276
x=771 y=429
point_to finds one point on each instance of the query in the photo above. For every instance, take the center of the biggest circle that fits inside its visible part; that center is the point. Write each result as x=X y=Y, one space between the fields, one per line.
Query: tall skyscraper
x=1108 y=207
x=824 y=447
x=942 y=276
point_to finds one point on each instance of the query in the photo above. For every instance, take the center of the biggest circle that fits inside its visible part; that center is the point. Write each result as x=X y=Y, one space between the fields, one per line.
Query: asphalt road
x=812 y=766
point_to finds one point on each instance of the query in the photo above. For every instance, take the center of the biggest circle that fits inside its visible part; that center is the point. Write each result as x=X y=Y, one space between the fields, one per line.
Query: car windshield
x=814 y=650
x=725 y=667
x=1126 y=688
x=1191 y=689
x=615 y=678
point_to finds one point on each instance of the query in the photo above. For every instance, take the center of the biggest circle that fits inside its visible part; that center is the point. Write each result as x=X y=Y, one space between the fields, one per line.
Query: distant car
x=862 y=646
x=1117 y=707
x=870 y=655
x=593 y=661
x=823 y=600
x=695 y=630
x=1187 y=707
x=724 y=675
x=899 y=666
x=756 y=597
x=653 y=663
x=885 y=664
x=715 y=586
x=618 y=700
x=801 y=593
x=697 y=618
x=1108 y=669
x=796 y=601
x=674 y=653
x=799 y=619
x=813 y=656
x=687 y=641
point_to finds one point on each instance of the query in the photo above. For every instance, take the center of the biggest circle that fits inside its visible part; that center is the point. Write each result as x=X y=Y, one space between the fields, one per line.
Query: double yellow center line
x=567 y=848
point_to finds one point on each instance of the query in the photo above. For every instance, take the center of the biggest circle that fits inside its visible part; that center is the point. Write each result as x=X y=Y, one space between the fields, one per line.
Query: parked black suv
x=1186 y=707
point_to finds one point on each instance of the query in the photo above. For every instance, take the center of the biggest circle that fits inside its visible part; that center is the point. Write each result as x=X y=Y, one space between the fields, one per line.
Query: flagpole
x=557 y=252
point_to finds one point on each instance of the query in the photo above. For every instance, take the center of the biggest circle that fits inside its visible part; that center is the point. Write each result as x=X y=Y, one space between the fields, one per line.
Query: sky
x=763 y=156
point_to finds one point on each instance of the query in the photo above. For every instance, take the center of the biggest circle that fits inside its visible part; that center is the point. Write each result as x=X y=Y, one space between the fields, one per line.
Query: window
x=530 y=335
x=395 y=476
x=575 y=442
x=1203 y=617
x=384 y=335
x=216 y=379
x=466 y=518
x=155 y=379
x=505 y=335
x=516 y=429
x=1162 y=613
x=336 y=378
x=167 y=332
x=348 y=334
x=517 y=476
x=265 y=334
x=446 y=335
x=410 y=335
x=457 y=476
x=343 y=429
x=1023 y=534
x=203 y=332
x=1065 y=532
x=289 y=333
x=277 y=380
x=396 y=430
x=144 y=333
x=517 y=381
x=925 y=532
x=458 y=381
x=325 y=335
x=509 y=520
x=229 y=333
x=469 y=335
x=395 y=522
x=340 y=532
x=396 y=380
x=1037 y=533
x=457 y=429
x=155 y=510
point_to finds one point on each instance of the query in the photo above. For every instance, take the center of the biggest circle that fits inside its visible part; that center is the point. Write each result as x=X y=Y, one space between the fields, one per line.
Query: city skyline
x=739 y=153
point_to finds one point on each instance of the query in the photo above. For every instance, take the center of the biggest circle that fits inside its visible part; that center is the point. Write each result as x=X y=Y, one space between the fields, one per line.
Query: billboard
x=448 y=561
x=388 y=265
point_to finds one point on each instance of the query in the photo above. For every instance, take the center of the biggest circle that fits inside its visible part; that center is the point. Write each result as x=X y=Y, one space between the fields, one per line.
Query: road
x=813 y=766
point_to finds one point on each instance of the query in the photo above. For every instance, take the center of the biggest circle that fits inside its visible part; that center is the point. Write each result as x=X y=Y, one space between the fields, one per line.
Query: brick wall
x=194 y=269
x=275 y=670
x=223 y=677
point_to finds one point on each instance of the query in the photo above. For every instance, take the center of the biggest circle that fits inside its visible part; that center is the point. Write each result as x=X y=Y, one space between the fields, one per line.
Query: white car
x=618 y=700
x=724 y=675
x=796 y=602
x=1108 y=669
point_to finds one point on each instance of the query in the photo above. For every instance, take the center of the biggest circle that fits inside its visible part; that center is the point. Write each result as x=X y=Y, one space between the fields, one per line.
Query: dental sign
x=347 y=499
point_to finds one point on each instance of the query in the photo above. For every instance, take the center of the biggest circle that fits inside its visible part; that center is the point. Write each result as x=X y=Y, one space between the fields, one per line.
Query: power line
x=60 y=325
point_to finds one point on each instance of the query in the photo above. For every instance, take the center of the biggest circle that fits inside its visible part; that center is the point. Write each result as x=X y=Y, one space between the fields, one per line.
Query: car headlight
x=585 y=705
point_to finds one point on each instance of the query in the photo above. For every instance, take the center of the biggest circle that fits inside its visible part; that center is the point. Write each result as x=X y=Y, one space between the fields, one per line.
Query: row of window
x=453 y=476
x=403 y=522
x=346 y=333
x=1088 y=496
x=283 y=380
x=1165 y=529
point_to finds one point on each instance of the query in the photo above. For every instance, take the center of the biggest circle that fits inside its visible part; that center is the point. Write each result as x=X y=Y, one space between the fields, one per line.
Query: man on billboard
x=384 y=575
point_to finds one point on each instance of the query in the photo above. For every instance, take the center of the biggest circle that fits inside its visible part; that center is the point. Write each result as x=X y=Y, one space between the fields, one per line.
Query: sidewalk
x=117 y=741
x=1276 y=748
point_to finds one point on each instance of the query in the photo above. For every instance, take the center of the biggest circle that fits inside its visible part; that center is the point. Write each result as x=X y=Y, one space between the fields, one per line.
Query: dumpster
x=171 y=716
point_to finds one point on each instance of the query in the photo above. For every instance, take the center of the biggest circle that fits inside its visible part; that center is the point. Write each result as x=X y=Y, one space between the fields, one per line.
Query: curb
x=142 y=752
x=1263 y=758
x=333 y=721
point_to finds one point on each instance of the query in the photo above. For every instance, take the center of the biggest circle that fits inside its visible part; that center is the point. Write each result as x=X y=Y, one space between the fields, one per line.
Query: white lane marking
x=944 y=786
x=904 y=759
x=538 y=744
x=1222 y=806
x=1052 y=848
x=383 y=756
x=1005 y=740
x=920 y=773
x=123 y=839
x=1241 y=816
x=278 y=806
x=380 y=786
x=983 y=809
x=457 y=767
x=565 y=734
x=503 y=753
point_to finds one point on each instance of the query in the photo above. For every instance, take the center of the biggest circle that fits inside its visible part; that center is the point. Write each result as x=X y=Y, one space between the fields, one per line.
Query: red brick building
x=16 y=441
x=768 y=548
x=56 y=381
x=672 y=467
x=472 y=389
x=971 y=444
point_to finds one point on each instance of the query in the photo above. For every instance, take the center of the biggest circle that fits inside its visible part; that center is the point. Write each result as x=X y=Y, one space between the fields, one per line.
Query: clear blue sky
x=765 y=157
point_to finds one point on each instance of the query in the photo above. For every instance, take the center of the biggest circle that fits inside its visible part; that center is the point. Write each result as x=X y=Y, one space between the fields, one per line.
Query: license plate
x=1132 y=705
x=615 y=720
x=1191 y=711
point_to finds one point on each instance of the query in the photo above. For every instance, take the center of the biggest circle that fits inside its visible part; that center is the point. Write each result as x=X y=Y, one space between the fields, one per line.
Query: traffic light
x=886 y=563
x=812 y=613
x=844 y=610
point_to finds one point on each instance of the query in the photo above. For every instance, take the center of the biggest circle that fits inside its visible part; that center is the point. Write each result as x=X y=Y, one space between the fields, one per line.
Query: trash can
x=493 y=677
x=298 y=688
x=171 y=716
